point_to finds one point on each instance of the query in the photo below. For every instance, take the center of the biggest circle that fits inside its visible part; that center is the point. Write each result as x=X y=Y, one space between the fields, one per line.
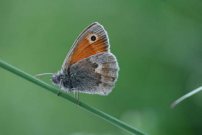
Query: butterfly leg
x=78 y=97
x=59 y=91
x=74 y=94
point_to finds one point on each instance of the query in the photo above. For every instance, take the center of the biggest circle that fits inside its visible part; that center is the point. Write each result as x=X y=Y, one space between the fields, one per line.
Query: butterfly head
x=62 y=79
x=58 y=78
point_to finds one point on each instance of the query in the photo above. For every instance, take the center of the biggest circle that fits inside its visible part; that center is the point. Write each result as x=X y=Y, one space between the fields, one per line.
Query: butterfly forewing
x=92 y=40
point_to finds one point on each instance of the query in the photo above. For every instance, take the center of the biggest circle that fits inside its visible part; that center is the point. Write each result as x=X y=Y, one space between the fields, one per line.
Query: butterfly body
x=90 y=67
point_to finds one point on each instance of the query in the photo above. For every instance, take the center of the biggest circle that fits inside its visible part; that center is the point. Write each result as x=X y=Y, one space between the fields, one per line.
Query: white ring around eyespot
x=89 y=38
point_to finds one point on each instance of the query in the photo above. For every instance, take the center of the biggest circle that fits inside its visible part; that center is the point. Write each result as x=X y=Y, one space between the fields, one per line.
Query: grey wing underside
x=95 y=75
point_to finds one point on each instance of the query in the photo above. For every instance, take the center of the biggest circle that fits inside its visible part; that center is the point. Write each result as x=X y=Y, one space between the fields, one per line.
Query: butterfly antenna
x=43 y=74
x=179 y=100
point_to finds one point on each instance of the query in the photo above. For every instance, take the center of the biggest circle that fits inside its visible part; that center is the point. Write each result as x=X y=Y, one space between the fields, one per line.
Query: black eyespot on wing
x=93 y=38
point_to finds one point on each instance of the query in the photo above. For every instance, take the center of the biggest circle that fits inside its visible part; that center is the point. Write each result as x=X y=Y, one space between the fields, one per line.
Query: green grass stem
x=114 y=121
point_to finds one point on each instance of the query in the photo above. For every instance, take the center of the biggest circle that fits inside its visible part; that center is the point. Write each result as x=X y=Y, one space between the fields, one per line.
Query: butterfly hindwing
x=95 y=75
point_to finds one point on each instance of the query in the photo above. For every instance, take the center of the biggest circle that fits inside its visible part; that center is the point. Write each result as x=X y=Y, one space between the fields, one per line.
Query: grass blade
x=103 y=115
x=188 y=95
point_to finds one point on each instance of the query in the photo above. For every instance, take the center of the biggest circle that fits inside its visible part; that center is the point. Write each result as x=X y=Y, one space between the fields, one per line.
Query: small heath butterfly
x=89 y=67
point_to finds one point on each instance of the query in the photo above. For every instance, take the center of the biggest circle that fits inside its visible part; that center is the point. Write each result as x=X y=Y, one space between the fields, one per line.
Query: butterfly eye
x=92 y=38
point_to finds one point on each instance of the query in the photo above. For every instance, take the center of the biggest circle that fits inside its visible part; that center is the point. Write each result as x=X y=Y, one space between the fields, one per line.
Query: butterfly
x=89 y=66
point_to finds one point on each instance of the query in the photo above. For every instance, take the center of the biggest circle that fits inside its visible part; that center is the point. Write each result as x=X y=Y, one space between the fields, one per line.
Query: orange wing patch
x=86 y=49
x=92 y=40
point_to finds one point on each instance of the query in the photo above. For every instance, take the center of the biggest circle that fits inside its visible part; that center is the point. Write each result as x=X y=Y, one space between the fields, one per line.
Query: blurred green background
x=159 y=48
